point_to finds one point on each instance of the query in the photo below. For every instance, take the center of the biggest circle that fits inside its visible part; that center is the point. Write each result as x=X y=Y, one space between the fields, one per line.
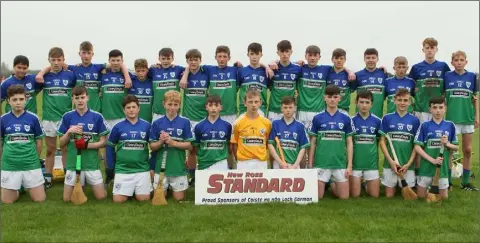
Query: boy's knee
x=8 y=201
x=119 y=199
x=467 y=151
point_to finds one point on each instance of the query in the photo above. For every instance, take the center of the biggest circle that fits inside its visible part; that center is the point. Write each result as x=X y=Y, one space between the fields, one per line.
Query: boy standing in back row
x=460 y=89
x=339 y=77
x=399 y=81
x=142 y=89
x=372 y=79
x=428 y=76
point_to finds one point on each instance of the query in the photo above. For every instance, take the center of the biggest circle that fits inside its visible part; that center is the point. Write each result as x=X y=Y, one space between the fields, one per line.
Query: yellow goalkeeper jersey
x=251 y=137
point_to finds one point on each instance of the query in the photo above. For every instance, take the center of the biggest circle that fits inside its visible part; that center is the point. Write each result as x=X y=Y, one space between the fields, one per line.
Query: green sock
x=449 y=176
x=22 y=189
x=466 y=176
x=417 y=171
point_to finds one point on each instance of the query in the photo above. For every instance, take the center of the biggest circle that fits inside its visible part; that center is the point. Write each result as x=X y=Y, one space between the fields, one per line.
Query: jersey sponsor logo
x=29 y=85
x=57 y=92
x=91 y=84
x=18 y=139
x=400 y=137
x=164 y=85
x=114 y=89
x=144 y=100
x=222 y=85
x=460 y=93
x=133 y=146
x=196 y=92
x=255 y=86
x=365 y=139
x=332 y=136
x=253 y=141
x=90 y=126
x=26 y=127
x=374 y=89
x=214 y=145
x=221 y=134
x=290 y=145
x=283 y=85
x=431 y=83
x=312 y=84
x=434 y=144
x=179 y=132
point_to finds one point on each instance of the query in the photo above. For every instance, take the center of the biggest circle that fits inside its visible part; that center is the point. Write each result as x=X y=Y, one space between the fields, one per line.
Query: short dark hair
x=214 y=99
x=55 y=52
x=365 y=94
x=15 y=89
x=115 y=53
x=193 y=53
x=332 y=89
x=129 y=99
x=79 y=90
x=255 y=48
x=284 y=45
x=288 y=100
x=436 y=101
x=86 y=46
x=166 y=52
x=20 y=59
x=312 y=49
x=339 y=52
x=401 y=92
x=370 y=51
x=221 y=49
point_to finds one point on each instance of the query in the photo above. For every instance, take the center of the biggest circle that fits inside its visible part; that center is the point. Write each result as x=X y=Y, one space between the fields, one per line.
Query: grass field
x=355 y=220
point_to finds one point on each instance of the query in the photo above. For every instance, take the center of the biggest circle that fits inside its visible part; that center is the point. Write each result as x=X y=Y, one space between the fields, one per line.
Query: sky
x=141 y=29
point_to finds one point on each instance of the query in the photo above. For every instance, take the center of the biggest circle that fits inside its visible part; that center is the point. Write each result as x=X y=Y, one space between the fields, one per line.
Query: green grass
x=331 y=220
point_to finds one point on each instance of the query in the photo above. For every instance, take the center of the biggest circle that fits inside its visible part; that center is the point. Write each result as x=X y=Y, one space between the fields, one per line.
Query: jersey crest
x=90 y=126
x=172 y=74
x=222 y=134
x=439 y=73
x=179 y=132
x=202 y=82
x=340 y=125
x=261 y=78
x=27 y=128
x=65 y=82
x=143 y=134
x=466 y=83
x=29 y=85
x=409 y=127
x=292 y=76
x=294 y=135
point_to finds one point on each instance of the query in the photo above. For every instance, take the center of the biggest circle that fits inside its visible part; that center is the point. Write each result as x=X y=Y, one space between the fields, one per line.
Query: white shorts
x=368 y=175
x=156 y=116
x=337 y=175
x=276 y=165
x=127 y=184
x=50 y=128
x=274 y=116
x=464 y=129
x=229 y=118
x=93 y=177
x=220 y=165
x=423 y=116
x=252 y=164
x=13 y=180
x=178 y=183
x=306 y=117
x=390 y=179
x=425 y=181
x=112 y=123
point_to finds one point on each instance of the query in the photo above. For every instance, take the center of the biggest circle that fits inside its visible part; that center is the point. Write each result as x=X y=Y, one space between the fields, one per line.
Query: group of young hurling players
x=308 y=106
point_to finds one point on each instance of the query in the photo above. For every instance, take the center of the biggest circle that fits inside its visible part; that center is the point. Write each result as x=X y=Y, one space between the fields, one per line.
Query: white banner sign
x=255 y=186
